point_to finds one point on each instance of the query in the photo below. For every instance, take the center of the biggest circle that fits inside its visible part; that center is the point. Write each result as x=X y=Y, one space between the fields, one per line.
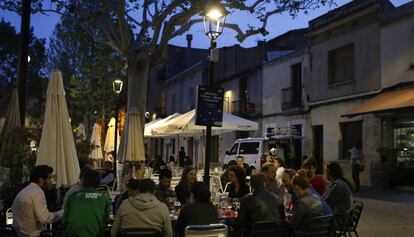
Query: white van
x=253 y=149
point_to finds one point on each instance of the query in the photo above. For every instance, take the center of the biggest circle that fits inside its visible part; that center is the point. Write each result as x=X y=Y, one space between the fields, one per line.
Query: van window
x=233 y=150
x=249 y=148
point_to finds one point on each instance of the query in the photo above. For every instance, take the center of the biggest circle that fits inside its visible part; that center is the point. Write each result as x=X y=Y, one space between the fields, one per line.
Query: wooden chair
x=213 y=230
x=7 y=231
x=139 y=232
x=271 y=229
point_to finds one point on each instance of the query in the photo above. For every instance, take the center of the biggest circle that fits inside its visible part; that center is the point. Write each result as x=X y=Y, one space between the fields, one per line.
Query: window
x=341 y=64
x=233 y=150
x=249 y=148
x=351 y=135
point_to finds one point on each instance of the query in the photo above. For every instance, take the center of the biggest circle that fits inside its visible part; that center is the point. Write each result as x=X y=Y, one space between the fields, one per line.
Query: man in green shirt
x=87 y=211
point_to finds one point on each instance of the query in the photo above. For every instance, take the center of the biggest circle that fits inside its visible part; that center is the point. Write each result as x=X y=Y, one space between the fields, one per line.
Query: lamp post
x=117 y=86
x=214 y=18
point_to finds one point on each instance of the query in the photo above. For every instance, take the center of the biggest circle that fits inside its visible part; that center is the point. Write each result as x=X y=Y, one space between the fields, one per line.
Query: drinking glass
x=177 y=207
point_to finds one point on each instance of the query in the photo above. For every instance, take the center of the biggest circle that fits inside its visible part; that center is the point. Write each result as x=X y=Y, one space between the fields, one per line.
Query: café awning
x=385 y=101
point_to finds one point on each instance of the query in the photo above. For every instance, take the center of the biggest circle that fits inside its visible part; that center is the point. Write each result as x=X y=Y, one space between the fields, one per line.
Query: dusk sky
x=44 y=25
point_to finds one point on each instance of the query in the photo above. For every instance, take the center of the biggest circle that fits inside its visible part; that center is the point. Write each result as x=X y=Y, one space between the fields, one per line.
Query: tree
x=8 y=69
x=88 y=69
x=141 y=30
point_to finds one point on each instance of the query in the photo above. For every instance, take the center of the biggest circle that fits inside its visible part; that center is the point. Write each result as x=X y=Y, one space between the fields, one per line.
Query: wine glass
x=177 y=207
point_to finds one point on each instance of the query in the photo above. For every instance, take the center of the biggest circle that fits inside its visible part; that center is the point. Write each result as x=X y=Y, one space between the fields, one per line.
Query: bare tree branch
x=124 y=30
x=159 y=20
x=185 y=27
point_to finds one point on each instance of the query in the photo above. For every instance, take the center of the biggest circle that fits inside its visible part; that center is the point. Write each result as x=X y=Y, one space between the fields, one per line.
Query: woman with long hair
x=200 y=211
x=238 y=187
x=339 y=194
x=182 y=190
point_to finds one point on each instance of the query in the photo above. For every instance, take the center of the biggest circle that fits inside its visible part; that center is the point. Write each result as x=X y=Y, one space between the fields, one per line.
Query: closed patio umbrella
x=13 y=113
x=132 y=140
x=57 y=146
x=11 y=121
x=96 y=153
x=110 y=137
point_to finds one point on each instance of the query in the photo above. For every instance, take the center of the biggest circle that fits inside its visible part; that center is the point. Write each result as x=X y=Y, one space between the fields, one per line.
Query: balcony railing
x=292 y=98
x=242 y=107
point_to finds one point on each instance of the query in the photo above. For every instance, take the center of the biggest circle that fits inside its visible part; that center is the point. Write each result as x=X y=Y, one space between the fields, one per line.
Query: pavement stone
x=386 y=213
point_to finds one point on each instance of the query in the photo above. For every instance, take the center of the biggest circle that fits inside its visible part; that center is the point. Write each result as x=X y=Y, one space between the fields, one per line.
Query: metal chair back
x=212 y=230
x=139 y=232
x=342 y=223
x=320 y=227
x=54 y=233
x=355 y=216
x=270 y=229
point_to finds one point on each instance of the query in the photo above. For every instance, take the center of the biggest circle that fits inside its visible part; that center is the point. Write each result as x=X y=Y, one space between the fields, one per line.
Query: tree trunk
x=137 y=98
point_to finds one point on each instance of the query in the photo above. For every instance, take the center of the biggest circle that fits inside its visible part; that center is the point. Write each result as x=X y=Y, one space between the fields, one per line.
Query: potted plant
x=380 y=173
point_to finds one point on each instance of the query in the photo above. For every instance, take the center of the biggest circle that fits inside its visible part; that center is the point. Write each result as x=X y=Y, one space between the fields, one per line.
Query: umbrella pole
x=178 y=148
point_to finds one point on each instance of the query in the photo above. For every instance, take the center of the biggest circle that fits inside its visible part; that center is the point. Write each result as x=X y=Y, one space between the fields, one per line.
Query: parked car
x=254 y=150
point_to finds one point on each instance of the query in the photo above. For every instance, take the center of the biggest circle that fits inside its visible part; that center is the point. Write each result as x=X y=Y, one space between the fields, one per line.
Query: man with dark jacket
x=261 y=205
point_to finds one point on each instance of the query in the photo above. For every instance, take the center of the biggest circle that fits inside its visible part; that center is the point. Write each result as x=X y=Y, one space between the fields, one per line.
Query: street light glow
x=214 y=14
x=214 y=18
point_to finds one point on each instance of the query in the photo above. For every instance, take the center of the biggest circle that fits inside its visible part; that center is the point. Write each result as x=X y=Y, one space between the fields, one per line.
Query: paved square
x=387 y=213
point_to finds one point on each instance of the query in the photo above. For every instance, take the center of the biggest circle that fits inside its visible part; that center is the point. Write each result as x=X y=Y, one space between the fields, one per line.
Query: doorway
x=318 y=147
x=298 y=147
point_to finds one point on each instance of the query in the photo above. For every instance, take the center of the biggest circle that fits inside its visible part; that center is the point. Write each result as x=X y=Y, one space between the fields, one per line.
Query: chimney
x=189 y=39
x=187 y=61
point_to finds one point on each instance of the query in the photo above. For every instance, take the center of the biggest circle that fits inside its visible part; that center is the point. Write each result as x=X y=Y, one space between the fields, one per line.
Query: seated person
x=224 y=178
x=143 y=211
x=164 y=191
x=132 y=191
x=107 y=177
x=200 y=211
x=29 y=207
x=76 y=187
x=307 y=206
x=290 y=196
x=158 y=164
x=182 y=190
x=317 y=182
x=238 y=187
x=240 y=162
x=261 y=205
x=87 y=211
x=339 y=194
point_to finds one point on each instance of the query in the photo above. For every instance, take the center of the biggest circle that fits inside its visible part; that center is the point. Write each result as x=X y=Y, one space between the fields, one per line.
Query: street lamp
x=214 y=18
x=117 y=87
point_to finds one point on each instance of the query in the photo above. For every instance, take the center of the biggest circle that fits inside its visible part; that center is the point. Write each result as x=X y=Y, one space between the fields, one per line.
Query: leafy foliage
x=83 y=149
x=88 y=69
x=16 y=151
x=8 y=69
